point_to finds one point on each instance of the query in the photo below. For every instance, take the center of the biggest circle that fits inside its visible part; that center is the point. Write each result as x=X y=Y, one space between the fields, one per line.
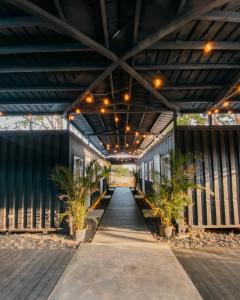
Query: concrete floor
x=124 y=261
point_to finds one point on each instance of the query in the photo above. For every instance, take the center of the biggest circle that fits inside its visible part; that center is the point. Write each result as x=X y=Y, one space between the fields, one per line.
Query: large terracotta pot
x=79 y=235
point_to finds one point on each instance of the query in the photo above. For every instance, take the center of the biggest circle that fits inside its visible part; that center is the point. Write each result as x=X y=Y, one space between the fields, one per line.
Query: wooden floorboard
x=215 y=272
x=31 y=274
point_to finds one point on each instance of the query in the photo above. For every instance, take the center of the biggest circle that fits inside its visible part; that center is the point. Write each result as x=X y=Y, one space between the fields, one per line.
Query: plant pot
x=165 y=231
x=79 y=235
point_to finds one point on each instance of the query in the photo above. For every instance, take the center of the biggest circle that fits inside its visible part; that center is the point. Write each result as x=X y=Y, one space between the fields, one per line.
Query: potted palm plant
x=73 y=193
x=136 y=175
x=170 y=194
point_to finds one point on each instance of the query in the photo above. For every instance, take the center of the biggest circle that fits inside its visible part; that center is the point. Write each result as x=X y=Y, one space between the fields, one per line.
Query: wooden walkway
x=31 y=274
x=215 y=272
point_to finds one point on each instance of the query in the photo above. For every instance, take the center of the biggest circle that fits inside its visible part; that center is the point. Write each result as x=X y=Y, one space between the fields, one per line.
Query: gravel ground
x=207 y=239
x=36 y=241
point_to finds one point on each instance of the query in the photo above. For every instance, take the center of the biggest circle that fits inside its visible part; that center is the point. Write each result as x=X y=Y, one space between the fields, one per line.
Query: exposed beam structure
x=48 y=48
x=199 y=66
x=34 y=101
x=193 y=45
x=220 y=16
x=42 y=88
x=28 y=21
x=49 y=68
x=77 y=87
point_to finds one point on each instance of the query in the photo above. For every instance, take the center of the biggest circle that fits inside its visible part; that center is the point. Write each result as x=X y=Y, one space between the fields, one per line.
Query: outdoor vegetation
x=75 y=191
x=170 y=194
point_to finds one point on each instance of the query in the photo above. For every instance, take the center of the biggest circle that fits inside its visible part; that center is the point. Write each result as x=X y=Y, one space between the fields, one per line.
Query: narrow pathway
x=124 y=262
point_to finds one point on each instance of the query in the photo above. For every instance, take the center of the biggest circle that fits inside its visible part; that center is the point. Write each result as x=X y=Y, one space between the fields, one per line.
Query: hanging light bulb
x=137 y=133
x=226 y=103
x=117 y=146
x=77 y=110
x=1 y=113
x=127 y=128
x=102 y=110
x=216 y=111
x=208 y=47
x=116 y=119
x=137 y=142
x=126 y=97
x=127 y=145
x=144 y=136
x=157 y=82
x=209 y=113
x=106 y=101
x=71 y=117
x=89 y=98
x=230 y=112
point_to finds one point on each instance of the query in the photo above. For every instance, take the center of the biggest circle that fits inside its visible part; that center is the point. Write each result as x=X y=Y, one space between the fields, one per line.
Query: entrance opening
x=121 y=175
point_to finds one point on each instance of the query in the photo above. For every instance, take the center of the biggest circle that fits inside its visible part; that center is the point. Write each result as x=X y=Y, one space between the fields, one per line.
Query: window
x=77 y=166
x=166 y=166
x=150 y=170
x=146 y=171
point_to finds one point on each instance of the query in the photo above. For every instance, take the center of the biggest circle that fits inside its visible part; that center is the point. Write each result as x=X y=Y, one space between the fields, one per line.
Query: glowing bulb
x=102 y=110
x=226 y=103
x=216 y=111
x=127 y=128
x=89 y=99
x=126 y=97
x=157 y=82
x=1 y=113
x=137 y=133
x=115 y=151
x=116 y=146
x=144 y=136
x=71 y=118
x=229 y=112
x=137 y=142
x=127 y=145
x=209 y=112
x=78 y=111
x=116 y=119
x=208 y=47
x=106 y=101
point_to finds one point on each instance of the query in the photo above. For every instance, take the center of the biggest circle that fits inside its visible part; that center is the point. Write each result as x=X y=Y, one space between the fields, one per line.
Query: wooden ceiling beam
x=193 y=45
x=220 y=16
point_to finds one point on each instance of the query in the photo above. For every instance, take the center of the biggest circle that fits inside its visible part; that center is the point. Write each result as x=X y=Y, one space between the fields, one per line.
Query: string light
x=102 y=110
x=137 y=142
x=229 y=112
x=106 y=101
x=117 y=146
x=208 y=47
x=157 y=82
x=71 y=117
x=137 y=133
x=216 y=111
x=126 y=97
x=127 y=128
x=116 y=119
x=144 y=136
x=89 y=98
x=127 y=145
x=78 y=111
x=209 y=113
x=1 y=113
x=226 y=103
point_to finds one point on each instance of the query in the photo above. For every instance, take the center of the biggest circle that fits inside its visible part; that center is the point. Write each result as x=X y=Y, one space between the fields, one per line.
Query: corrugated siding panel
x=28 y=198
x=217 y=170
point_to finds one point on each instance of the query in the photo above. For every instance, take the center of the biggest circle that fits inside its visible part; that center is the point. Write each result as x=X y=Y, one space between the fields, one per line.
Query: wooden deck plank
x=215 y=272
x=31 y=274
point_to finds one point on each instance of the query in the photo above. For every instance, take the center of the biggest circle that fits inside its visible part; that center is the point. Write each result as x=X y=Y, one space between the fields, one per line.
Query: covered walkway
x=124 y=262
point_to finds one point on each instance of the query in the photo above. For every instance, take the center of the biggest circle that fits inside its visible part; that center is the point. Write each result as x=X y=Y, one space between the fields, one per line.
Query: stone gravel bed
x=204 y=240
x=36 y=241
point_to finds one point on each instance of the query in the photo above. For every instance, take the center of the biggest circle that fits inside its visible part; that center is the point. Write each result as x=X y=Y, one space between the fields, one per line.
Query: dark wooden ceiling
x=54 y=52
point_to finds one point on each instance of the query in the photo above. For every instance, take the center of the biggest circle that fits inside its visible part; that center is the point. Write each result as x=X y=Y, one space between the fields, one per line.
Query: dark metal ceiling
x=54 y=52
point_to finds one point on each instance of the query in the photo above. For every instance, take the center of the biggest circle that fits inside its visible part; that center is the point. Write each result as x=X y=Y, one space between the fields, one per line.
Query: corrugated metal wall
x=162 y=148
x=218 y=170
x=27 y=198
